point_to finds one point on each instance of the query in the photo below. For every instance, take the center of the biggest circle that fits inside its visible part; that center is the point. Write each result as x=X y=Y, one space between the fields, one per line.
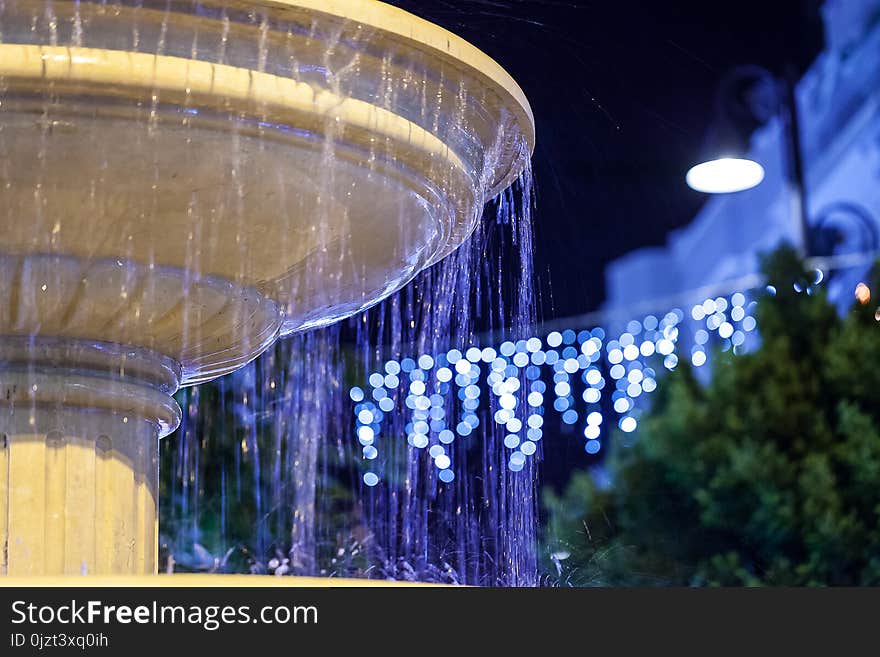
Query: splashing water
x=265 y=471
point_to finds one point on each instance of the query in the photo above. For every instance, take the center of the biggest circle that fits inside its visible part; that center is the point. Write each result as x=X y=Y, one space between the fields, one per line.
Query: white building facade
x=839 y=107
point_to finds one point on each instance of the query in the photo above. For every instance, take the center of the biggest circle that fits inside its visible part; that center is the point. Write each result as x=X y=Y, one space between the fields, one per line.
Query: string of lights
x=588 y=374
x=581 y=377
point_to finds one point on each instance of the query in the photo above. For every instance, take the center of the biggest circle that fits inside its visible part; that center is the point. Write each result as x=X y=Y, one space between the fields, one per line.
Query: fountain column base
x=79 y=430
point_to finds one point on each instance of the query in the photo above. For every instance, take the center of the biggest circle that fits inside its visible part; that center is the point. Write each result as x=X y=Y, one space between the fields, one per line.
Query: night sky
x=622 y=91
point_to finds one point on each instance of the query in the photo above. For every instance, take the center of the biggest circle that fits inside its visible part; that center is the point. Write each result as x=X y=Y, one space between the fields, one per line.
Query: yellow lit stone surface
x=202 y=581
x=79 y=505
x=79 y=457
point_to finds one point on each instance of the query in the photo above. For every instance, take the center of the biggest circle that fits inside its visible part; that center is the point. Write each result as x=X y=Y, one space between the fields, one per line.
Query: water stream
x=267 y=474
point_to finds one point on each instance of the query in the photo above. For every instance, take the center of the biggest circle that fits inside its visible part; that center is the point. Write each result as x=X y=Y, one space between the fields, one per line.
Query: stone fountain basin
x=181 y=183
x=199 y=179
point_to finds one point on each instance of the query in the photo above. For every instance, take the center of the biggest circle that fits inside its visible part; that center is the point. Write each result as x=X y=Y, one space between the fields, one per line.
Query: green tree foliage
x=769 y=474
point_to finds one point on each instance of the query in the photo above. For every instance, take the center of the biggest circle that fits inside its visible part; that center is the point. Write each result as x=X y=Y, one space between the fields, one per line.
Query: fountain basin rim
x=422 y=34
x=208 y=85
x=118 y=71
x=91 y=376
x=387 y=18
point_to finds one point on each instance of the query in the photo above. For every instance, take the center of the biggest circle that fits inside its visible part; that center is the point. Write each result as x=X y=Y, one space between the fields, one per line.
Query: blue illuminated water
x=266 y=476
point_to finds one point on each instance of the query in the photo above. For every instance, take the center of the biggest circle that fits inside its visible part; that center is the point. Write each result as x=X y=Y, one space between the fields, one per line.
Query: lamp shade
x=725 y=175
x=745 y=100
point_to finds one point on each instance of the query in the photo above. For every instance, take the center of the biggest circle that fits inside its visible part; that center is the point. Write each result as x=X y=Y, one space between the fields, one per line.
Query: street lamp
x=724 y=175
x=747 y=97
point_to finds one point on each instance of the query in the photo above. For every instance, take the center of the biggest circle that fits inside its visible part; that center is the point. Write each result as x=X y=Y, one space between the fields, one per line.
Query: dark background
x=352 y=619
x=622 y=92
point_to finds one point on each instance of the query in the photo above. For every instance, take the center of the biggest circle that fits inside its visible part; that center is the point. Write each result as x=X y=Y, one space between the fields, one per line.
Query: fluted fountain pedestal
x=79 y=443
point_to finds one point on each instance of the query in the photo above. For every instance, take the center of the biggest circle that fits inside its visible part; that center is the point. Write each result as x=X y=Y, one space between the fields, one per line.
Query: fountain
x=181 y=183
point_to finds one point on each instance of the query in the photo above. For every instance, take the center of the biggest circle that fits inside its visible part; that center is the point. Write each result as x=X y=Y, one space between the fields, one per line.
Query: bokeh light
x=443 y=396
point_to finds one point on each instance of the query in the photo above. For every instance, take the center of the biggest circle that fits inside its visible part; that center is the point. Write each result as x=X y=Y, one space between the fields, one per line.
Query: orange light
x=863 y=293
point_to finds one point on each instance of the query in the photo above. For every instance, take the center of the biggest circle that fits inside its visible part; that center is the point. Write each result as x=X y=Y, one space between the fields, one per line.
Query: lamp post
x=748 y=97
